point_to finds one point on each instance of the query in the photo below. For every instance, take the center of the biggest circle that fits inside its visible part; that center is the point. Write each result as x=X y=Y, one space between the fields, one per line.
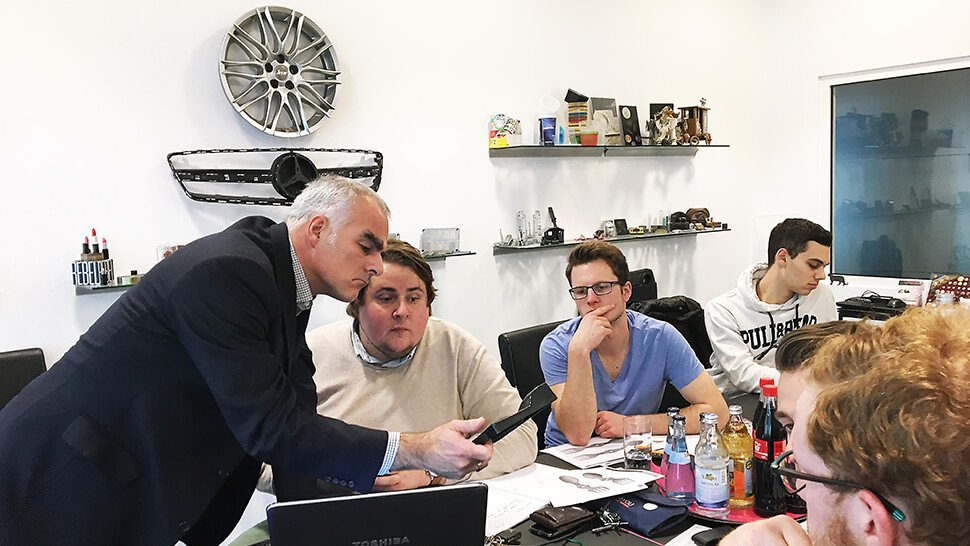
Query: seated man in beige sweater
x=397 y=367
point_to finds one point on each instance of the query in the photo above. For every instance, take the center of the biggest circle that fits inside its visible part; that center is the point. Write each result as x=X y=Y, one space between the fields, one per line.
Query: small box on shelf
x=93 y=272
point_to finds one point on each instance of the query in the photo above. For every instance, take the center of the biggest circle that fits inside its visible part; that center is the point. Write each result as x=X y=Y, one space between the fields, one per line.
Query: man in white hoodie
x=746 y=323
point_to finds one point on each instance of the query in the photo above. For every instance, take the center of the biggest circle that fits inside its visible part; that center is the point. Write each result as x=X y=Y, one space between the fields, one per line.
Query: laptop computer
x=453 y=515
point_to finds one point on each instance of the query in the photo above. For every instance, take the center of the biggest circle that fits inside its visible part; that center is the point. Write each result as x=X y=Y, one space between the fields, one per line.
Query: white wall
x=95 y=94
x=97 y=98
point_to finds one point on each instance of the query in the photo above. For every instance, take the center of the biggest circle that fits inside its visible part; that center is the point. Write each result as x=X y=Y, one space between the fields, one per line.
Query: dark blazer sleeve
x=225 y=311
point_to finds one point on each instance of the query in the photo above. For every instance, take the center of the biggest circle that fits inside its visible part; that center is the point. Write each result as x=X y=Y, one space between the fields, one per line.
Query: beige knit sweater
x=451 y=376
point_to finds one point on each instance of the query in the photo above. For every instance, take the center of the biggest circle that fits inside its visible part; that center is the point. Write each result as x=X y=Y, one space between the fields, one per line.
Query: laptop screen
x=453 y=515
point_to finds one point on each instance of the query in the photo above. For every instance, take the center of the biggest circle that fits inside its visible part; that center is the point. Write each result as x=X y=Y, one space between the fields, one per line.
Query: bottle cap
x=764 y=381
x=770 y=390
x=672 y=411
x=709 y=418
x=735 y=410
x=680 y=418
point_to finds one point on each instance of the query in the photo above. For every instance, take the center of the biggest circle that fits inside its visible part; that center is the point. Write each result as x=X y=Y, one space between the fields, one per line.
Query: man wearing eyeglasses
x=611 y=362
x=793 y=361
x=880 y=455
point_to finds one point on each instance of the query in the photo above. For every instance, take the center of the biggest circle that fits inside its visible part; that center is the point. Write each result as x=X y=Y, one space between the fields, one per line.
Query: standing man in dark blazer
x=152 y=428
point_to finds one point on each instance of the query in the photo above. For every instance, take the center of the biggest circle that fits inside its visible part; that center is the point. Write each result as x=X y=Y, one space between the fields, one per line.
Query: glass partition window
x=901 y=175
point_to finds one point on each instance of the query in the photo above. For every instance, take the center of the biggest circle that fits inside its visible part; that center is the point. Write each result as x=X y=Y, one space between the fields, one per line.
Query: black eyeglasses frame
x=591 y=288
x=777 y=466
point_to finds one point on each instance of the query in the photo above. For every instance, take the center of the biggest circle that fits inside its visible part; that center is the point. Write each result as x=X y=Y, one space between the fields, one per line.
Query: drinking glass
x=637 y=440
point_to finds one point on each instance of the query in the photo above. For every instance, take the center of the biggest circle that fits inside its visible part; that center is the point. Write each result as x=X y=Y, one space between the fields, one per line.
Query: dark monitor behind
x=453 y=515
x=901 y=175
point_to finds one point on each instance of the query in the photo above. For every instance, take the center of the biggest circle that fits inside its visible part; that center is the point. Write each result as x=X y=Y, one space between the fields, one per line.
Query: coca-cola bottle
x=759 y=410
x=769 y=443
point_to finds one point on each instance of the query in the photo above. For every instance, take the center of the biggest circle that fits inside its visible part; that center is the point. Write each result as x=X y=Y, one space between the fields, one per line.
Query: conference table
x=258 y=535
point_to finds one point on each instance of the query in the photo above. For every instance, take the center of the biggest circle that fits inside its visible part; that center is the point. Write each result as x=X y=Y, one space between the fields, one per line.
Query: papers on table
x=512 y=497
x=506 y=510
x=568 y=487
x=602 y=451
x=599 y=451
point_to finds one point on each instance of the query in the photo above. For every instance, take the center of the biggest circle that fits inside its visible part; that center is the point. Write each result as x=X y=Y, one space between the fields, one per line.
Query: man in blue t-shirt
x=611 y=362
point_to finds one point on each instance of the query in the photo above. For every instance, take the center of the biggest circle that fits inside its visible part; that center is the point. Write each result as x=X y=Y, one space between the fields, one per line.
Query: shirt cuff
x=393 y=442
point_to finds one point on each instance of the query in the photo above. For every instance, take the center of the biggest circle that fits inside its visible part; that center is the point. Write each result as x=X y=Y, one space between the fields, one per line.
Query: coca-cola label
x=761 y=449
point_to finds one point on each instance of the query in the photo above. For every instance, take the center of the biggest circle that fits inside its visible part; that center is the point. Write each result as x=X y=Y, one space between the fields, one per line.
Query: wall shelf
x=434 y=257
x=503 y=249
x=81 y=290
x=598 y=151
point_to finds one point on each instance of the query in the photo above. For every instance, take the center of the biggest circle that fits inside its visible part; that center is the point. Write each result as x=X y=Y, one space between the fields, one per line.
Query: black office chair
x=687 y=316
x=17 y=368
x=520 y=360
x=644 y=285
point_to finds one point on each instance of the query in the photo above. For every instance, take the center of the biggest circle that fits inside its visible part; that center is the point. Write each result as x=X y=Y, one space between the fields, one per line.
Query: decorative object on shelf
x=589 y=136
x=279 y=71
x=554 y=235
x=607 y=228
x=619 y=225
x=536 y=234
x=439 y=240
x=505 y=131
x=509 y=247
x=678 y=220
x=577 y=113
x=701 y=218
x=665 y=126
x=693 y=124
x=604 y=112
x=251 y=176
x=95 y=266
x=128 y=280
x=631 y=126
x=650 y=126
x=598 y=151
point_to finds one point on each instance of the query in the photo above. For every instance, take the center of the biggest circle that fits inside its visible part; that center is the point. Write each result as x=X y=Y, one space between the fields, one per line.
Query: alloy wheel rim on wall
x=279 y=71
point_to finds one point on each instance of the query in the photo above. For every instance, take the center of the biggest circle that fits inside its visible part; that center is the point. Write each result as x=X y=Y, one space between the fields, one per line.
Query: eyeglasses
x=789 y=477
x=600 y=289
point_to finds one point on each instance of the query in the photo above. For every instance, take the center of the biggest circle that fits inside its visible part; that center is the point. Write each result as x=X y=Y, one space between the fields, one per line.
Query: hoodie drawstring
x=774 y=342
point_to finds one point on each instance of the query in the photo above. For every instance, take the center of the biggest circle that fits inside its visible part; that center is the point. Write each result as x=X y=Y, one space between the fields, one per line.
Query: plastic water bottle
x=679 y=480
x=711 y=464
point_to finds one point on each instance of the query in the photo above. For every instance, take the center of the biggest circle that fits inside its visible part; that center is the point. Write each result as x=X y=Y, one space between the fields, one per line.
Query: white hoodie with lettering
x=745 y=331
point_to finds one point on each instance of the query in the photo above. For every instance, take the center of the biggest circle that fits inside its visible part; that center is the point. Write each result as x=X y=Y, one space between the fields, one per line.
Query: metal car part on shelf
x=279 y=71
x=267 y=176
